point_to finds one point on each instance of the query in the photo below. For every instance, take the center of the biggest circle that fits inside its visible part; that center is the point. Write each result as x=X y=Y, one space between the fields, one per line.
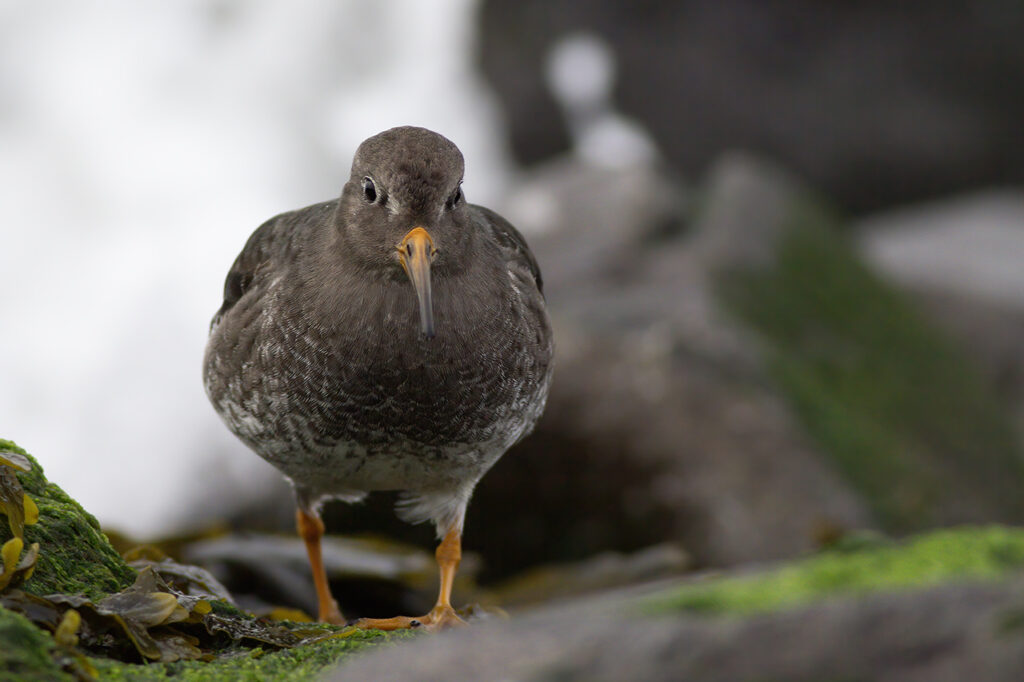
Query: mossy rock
x=901 y=410
x=938 y=557
x=75 y=556
x=307 y=662
x=26 y=652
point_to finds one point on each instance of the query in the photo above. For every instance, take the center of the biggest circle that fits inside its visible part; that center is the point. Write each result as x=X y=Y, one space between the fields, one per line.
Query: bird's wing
x=512 y=243
x=266 y=247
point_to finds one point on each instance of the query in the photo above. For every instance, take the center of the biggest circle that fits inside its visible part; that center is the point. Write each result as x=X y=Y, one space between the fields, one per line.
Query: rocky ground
x=944 y=605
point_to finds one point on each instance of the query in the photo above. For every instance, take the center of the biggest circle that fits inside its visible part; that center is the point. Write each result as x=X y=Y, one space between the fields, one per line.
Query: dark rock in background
x=874 y=103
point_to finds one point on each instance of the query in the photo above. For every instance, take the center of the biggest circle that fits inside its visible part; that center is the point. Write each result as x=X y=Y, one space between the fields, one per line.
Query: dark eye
x=455 y=198
x=369 y=190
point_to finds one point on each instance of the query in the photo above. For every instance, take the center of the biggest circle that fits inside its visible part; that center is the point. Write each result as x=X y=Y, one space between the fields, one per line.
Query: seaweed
x=72 y=608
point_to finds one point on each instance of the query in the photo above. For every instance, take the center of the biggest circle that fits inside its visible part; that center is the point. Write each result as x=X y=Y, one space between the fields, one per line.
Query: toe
x=396 y=623
x=440 y=618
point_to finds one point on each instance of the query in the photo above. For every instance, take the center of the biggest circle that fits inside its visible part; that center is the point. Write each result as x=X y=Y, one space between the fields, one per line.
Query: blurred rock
x=964 y=260
x=944 y=605
x=602 y=572
x=969 y=246
x=893 y=403
x=875 y=103
x=951 y=633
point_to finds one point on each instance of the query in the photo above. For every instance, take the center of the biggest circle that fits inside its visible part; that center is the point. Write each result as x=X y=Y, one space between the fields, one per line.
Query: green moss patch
x=306 y=662
x=904 y=414
x=26 y=652
x=941 y=556
x=74 y=554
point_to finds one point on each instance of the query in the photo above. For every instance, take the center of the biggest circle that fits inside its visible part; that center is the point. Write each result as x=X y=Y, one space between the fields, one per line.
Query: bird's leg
x=448 y=554
x=311 y=529
x=442 y=616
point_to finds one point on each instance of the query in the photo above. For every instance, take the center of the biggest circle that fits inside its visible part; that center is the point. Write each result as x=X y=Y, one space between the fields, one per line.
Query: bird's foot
x=439 y=618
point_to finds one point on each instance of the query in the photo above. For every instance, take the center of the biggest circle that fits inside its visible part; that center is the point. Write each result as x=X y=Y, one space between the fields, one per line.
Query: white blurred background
x=141 y=145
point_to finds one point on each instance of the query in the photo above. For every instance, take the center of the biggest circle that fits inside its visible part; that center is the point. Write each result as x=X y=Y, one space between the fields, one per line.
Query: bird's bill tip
x=416 y=252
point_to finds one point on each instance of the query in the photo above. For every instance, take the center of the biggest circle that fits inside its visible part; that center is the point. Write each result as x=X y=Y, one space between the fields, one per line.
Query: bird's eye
x=456 y=197
x=369 y=190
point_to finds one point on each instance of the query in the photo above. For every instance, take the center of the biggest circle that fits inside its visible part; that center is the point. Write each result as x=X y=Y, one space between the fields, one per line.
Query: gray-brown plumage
x=393 y=339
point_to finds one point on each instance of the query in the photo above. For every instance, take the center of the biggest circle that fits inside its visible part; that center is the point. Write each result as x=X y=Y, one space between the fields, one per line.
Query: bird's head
x=402 y=212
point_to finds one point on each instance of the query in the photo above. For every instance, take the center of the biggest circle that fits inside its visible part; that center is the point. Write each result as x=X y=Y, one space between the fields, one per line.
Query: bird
x=394 y=338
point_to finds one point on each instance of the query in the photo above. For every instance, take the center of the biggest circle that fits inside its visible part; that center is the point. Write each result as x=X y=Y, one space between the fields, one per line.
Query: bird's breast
x=366 y=374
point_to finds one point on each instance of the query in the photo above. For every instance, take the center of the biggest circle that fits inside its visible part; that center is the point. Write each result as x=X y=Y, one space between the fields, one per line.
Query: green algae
x=26 y=652
x=901 y=410
x=306 y=662
x=966 y=553
x=75 y=556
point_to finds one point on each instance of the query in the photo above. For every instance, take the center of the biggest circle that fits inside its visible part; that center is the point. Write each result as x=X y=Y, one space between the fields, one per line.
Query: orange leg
x=311 y=529
x=442 y=616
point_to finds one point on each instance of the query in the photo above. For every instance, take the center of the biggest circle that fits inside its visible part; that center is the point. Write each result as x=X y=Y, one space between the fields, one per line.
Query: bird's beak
x=415 y=252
